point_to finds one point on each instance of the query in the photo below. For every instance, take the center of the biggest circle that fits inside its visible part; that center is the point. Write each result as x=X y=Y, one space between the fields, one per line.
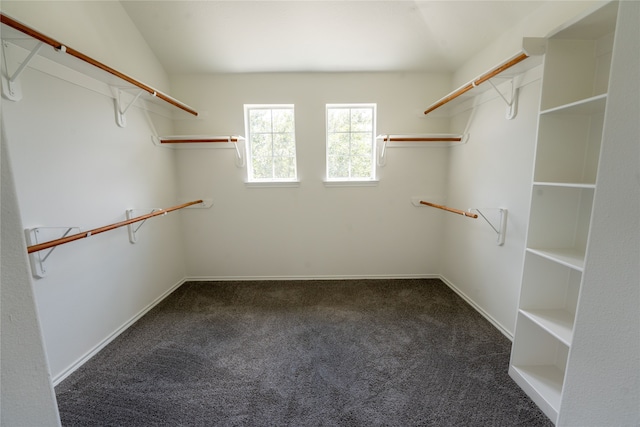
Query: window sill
x=272 y=184
x=364 y=183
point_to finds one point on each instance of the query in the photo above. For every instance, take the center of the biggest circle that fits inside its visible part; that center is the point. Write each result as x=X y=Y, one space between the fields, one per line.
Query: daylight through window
x=271 y=143
x=350 y=142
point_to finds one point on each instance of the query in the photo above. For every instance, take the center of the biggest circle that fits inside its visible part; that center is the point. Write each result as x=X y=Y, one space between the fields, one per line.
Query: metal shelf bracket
x=122 y=107
x=11 y=87
x=39 y=235
x=512 y=104
x=501 y=229
x=132 y=229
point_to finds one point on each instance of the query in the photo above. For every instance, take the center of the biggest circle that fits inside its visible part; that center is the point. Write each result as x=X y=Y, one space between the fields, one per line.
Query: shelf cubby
x=549 y=295
x=538 y=365
x=578 y=59
x=569 y=140
x=559 y=223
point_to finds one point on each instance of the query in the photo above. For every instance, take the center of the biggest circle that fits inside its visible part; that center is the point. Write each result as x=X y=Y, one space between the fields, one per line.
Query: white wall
x=493 y=170
x=26 y=393
x=312 y=231
x=74 y=166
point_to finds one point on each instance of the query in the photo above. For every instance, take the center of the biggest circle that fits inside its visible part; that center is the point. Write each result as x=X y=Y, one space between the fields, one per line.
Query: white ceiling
x=236 y=36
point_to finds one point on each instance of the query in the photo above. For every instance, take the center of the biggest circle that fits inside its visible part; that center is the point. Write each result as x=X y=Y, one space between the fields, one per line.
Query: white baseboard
x=337 y=277
x=84 y=358
x=479 y=309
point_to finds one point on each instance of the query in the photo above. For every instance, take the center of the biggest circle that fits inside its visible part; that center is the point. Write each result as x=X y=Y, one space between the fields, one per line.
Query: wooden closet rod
x=73 y=237
x=423 y=139
x=448 y=209
x=196 y=140
x=478 y=81
x=59 y=46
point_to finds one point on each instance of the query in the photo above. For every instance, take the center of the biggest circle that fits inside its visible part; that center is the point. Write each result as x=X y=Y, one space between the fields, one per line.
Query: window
x=350 y=142
x=271 y=143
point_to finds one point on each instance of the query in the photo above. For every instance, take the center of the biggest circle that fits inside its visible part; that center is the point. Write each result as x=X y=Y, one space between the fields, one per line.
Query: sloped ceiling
x=321 y=36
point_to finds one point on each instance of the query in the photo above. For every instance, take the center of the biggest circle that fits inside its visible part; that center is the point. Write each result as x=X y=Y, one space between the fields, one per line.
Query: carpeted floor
x=302 y=353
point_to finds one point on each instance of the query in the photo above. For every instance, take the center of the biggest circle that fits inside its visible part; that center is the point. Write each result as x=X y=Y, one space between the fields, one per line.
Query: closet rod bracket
x=39 y=235
x=132 y=229
x=122 y=107
x=512 y=104
x=11 y=87
x=501 y=228
x=240 y=152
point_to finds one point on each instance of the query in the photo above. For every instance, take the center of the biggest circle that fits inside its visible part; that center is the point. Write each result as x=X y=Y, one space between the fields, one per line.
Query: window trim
x=271 y=182
x=357 y=181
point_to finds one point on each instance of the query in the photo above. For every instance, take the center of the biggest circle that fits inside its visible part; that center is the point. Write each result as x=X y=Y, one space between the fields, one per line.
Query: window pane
x=284 y=167
x=361 y=144
x=350 y=141
x=261 y=145
x=284 y=145
x=283 y=120
x=361 y=119
x=361 y=167
x=262 y=168
x=272 y=143
x=338 y=167
x=338 y=144
x=259 y=121
x=338 y=120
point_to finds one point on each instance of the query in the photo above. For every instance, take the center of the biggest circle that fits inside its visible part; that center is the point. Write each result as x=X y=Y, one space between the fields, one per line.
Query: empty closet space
x=389 y=207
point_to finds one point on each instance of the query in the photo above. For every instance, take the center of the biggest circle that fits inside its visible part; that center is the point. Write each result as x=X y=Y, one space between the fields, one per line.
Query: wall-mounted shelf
x=197 y=139
x=416 y=140
x=529 y=57
x=205 y=141
x=21 y=35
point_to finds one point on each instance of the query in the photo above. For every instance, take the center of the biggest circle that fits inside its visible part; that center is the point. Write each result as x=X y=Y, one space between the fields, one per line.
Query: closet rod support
x=121 y=119
x=240 y=158
x=38 y=235
x=511 y=104
x=133 y=237
x=11 y=87
x=501 y=229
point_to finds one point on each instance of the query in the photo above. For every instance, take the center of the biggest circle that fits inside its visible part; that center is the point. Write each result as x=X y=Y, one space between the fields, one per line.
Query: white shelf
x=571 y=121
x=558 y=323
x=421 y=140
x=564 y=184
x=588 y=106
x=543 y=384
x=569 y=257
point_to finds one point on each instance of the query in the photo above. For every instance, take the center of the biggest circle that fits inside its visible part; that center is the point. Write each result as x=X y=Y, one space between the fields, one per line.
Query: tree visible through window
x=350 y=142
x=272 y=143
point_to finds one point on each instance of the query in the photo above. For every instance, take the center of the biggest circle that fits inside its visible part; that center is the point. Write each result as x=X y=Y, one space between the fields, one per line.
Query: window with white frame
x=350 y=142
x=271 y=143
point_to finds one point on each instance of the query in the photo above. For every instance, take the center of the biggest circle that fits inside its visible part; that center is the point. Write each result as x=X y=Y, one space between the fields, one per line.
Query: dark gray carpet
x=302 y=353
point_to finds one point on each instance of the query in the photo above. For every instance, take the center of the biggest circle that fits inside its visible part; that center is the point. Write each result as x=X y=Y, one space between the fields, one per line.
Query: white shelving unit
x=572 y=111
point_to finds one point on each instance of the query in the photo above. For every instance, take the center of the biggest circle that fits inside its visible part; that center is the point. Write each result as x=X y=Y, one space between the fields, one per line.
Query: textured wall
x=312 y=230
x=27 y=397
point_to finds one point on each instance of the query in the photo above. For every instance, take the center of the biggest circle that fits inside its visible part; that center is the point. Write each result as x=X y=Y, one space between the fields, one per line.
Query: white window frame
x=352 y=181
x=267 y=182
